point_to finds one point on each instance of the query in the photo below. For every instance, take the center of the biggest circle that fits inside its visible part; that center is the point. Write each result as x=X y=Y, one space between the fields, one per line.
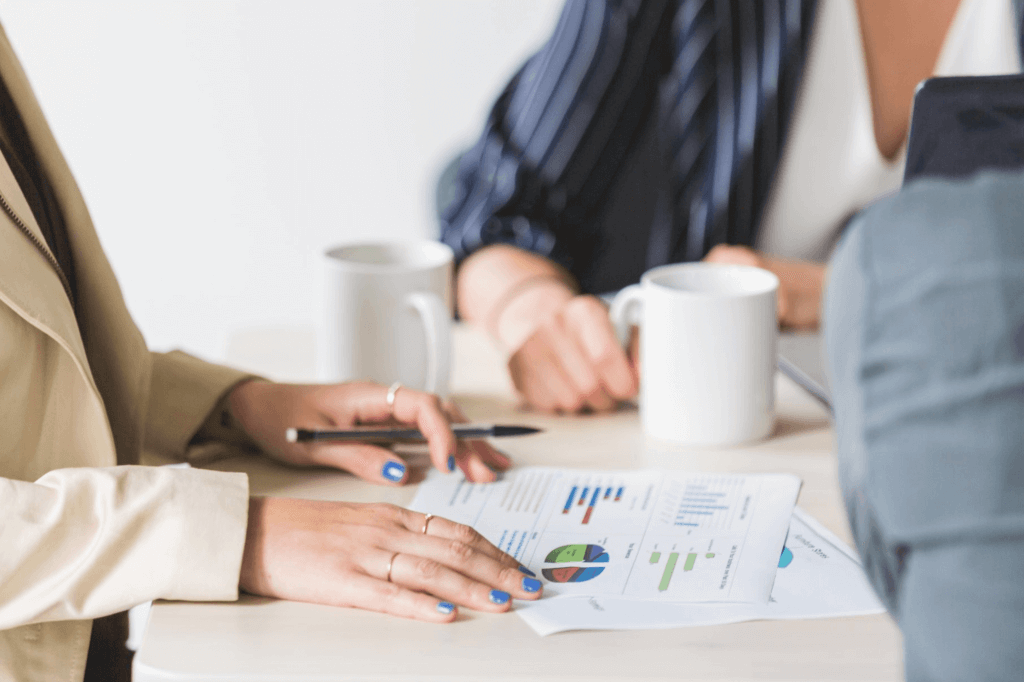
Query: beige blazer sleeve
x=79 y=537
x=86 y=542
x=187 y=417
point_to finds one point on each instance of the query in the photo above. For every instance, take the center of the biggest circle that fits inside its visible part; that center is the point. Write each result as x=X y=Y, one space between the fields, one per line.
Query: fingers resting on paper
x=376 y=557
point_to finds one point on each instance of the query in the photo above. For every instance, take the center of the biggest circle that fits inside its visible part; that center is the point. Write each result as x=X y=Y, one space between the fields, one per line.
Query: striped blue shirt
x=643 y=132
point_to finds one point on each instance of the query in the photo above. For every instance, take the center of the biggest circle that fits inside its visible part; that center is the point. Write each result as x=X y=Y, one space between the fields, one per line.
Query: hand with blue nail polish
x=477 y=459
x=378 y=557
x=371 y=556
x=531 y=585
x=265 y=411
x=393 y=471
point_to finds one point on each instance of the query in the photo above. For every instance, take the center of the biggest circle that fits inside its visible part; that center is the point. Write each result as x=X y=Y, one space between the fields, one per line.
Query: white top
x=831 y=166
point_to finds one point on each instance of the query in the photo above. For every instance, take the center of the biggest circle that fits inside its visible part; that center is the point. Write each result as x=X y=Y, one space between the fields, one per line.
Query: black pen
x=406 y=435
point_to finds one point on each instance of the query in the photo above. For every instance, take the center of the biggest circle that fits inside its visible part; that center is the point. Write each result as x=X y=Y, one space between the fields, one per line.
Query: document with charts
x=818 y=577
x=666 y=536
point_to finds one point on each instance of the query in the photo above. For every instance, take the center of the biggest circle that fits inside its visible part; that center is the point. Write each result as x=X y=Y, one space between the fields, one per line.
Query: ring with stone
x=392 y=390
x=426 y=520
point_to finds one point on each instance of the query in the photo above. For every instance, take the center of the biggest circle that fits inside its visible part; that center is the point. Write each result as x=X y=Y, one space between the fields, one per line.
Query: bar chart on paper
x=689 y=563
x=699 y=537
x=706 y=503
x=644 y=534
x=587 y=495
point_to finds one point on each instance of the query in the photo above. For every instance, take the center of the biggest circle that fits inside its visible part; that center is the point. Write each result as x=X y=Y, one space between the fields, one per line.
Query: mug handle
x=625 y=311
x=437 y=328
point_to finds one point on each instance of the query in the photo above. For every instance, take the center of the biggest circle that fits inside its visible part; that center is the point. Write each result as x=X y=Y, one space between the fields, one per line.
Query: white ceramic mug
x=707 y=351
x=388 y=315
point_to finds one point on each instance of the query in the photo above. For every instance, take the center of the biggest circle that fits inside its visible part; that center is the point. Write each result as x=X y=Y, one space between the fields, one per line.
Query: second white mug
x=388 y=315
x=707 y=351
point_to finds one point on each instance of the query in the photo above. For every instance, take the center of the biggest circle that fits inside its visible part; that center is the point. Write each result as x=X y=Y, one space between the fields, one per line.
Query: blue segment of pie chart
x=786 y=558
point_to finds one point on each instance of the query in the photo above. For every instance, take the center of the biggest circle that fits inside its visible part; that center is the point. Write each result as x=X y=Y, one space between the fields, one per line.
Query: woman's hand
x=377 y=557
x=572 y=361
x=564 y=354
x=800 y=283
x=266 y=410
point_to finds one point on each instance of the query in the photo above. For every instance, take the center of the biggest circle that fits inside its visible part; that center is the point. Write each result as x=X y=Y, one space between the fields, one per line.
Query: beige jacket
x=80 y=536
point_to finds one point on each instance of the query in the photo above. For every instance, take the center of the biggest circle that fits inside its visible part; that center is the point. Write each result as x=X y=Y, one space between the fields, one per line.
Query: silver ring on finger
x=390 y=399
x=391 y=562
x=426 y=521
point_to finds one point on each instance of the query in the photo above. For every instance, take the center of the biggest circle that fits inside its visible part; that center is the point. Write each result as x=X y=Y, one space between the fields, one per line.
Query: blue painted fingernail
x=445 y=608
x=524 y=569
x=499 y=597
x=451 y=463
x=393 y=471
x=531 y=585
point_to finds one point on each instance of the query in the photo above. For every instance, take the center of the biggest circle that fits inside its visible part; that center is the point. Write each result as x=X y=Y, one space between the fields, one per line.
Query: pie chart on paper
x=576 y=554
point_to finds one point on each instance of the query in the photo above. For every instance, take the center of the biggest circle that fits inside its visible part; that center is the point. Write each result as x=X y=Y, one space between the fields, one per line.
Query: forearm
x=507 y=291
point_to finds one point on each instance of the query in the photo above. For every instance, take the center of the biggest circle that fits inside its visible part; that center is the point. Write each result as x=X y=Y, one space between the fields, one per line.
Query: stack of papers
x=649 y=549
x=818 y=577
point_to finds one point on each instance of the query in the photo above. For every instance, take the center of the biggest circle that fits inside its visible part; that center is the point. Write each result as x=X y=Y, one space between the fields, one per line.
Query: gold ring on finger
x=391 y=562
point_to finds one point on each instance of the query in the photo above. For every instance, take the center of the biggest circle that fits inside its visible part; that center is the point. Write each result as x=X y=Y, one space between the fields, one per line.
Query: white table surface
x=266 y=640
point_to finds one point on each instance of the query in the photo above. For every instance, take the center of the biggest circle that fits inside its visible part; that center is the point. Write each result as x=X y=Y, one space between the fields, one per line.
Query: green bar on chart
x=666 y=577
x=655 y=557
x=690 y=560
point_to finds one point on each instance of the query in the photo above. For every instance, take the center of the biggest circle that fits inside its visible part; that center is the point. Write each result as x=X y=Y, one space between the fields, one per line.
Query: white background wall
x=222 y=144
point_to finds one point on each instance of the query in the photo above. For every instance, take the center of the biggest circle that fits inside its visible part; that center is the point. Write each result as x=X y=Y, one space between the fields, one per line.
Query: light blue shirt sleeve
x=924 y=328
